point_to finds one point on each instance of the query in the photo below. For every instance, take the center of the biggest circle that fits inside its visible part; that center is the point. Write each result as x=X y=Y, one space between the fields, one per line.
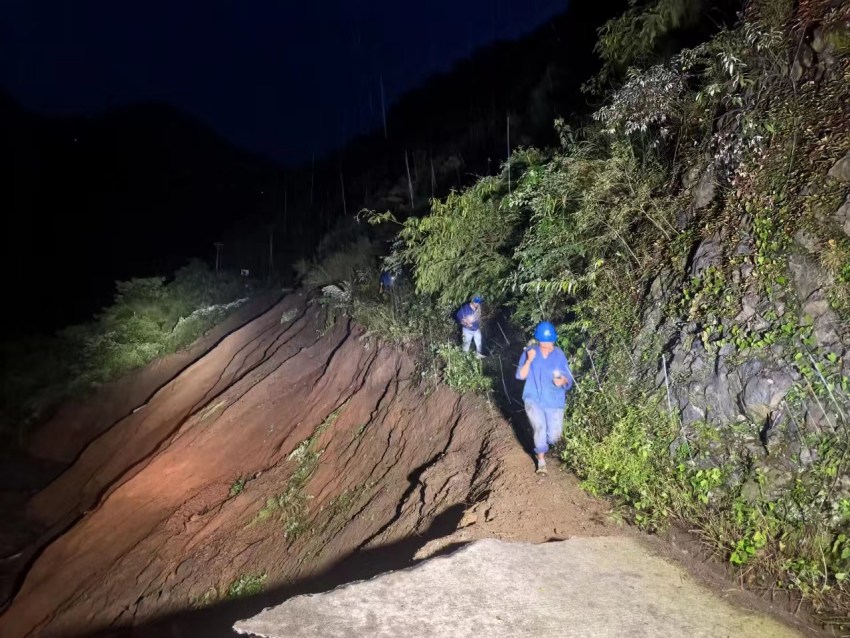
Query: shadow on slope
x=217 y=621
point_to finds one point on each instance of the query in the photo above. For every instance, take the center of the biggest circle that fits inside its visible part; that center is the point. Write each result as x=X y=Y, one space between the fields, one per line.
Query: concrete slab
x=601 y=587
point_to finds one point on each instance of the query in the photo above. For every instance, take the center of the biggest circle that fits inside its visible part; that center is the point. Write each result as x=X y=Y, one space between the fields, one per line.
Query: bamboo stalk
x=409 y=181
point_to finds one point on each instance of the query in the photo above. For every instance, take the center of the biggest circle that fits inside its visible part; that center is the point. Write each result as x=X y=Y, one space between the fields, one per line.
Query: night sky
x=283 y=78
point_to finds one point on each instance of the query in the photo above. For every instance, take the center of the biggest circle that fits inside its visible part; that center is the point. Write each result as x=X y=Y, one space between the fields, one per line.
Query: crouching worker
x=547 y=377
x=387 y=281
x=469 y=317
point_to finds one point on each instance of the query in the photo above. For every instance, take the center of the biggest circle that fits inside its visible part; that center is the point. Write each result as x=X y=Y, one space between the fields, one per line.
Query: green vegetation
x=291 y=505
x=149 y=318
x=632 y=38
x=237 y=487
x=247 y=585
x=349 y=262
x=462 y=371
x=204 y=600
x=466 y=242
x=792 y=536
x=402 y=317
x=348 y=277
x=630 y=460
x=723 y=147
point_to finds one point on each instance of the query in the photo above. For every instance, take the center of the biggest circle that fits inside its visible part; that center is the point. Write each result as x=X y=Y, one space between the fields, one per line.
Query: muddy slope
x=78 y=421
x=56 y=443
x=279 y=451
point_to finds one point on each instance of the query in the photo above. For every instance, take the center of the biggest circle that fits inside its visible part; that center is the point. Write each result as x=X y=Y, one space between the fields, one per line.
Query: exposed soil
x=311 y=457
x=57 y=442
x=78 y=421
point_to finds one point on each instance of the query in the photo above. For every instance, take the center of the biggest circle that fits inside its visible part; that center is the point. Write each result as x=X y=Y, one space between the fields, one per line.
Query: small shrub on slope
x=149 y=318
x=247 y=585
x=463 y=371
x=346 y=264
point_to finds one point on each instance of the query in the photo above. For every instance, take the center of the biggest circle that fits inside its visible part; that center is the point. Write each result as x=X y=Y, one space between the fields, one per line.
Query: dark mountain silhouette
x=131 y=192
x=137 y=190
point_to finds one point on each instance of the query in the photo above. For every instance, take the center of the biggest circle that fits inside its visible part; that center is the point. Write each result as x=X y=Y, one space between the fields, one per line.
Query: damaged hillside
x=691 y=242
x=285 y=448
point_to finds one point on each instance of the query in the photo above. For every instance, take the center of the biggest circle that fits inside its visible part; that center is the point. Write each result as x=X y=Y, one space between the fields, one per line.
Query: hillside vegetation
x=149 y=317
x=692 y=241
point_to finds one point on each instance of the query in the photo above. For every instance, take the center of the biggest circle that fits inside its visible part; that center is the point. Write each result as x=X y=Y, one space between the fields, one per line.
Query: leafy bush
x=649 y=103
x=619 y=444
x=630 y=461
x=632 y=38
x=463 y=371
x=149 y=318
x=349 y=279
x=467 y=241
x=351 y=261
x=247 y=585
x=403 y=317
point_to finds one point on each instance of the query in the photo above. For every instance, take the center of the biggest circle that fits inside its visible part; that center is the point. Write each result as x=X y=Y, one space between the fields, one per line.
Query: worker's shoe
x=480 y=356
x=541 y=466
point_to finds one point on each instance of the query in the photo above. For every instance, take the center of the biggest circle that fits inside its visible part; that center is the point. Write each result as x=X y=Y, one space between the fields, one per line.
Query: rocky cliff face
x=747 y=379
x=753 y=339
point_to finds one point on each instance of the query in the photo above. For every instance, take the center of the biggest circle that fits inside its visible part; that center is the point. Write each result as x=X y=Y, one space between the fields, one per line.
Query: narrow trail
x=302 y=456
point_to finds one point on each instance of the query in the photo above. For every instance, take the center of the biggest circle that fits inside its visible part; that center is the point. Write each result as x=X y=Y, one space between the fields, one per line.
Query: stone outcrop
x=841 y=169
x=733 y=374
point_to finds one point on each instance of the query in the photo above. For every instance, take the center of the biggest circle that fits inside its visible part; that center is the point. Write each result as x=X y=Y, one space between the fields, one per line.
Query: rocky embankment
x=275 y=454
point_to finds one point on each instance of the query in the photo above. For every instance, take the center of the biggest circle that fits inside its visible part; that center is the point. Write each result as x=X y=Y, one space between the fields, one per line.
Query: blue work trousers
x=470 y=336
x=546 y=424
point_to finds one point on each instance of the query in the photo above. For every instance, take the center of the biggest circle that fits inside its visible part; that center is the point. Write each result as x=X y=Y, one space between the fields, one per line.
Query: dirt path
x=522 y=507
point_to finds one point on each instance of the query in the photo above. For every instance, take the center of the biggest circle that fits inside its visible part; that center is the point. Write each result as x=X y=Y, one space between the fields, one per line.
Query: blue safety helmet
x=477 y=299
x=545 y=332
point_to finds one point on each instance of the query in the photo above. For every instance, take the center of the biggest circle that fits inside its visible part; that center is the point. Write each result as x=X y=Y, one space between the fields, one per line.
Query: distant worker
x=469 y=317
x=387 y=281
x=547 y=377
